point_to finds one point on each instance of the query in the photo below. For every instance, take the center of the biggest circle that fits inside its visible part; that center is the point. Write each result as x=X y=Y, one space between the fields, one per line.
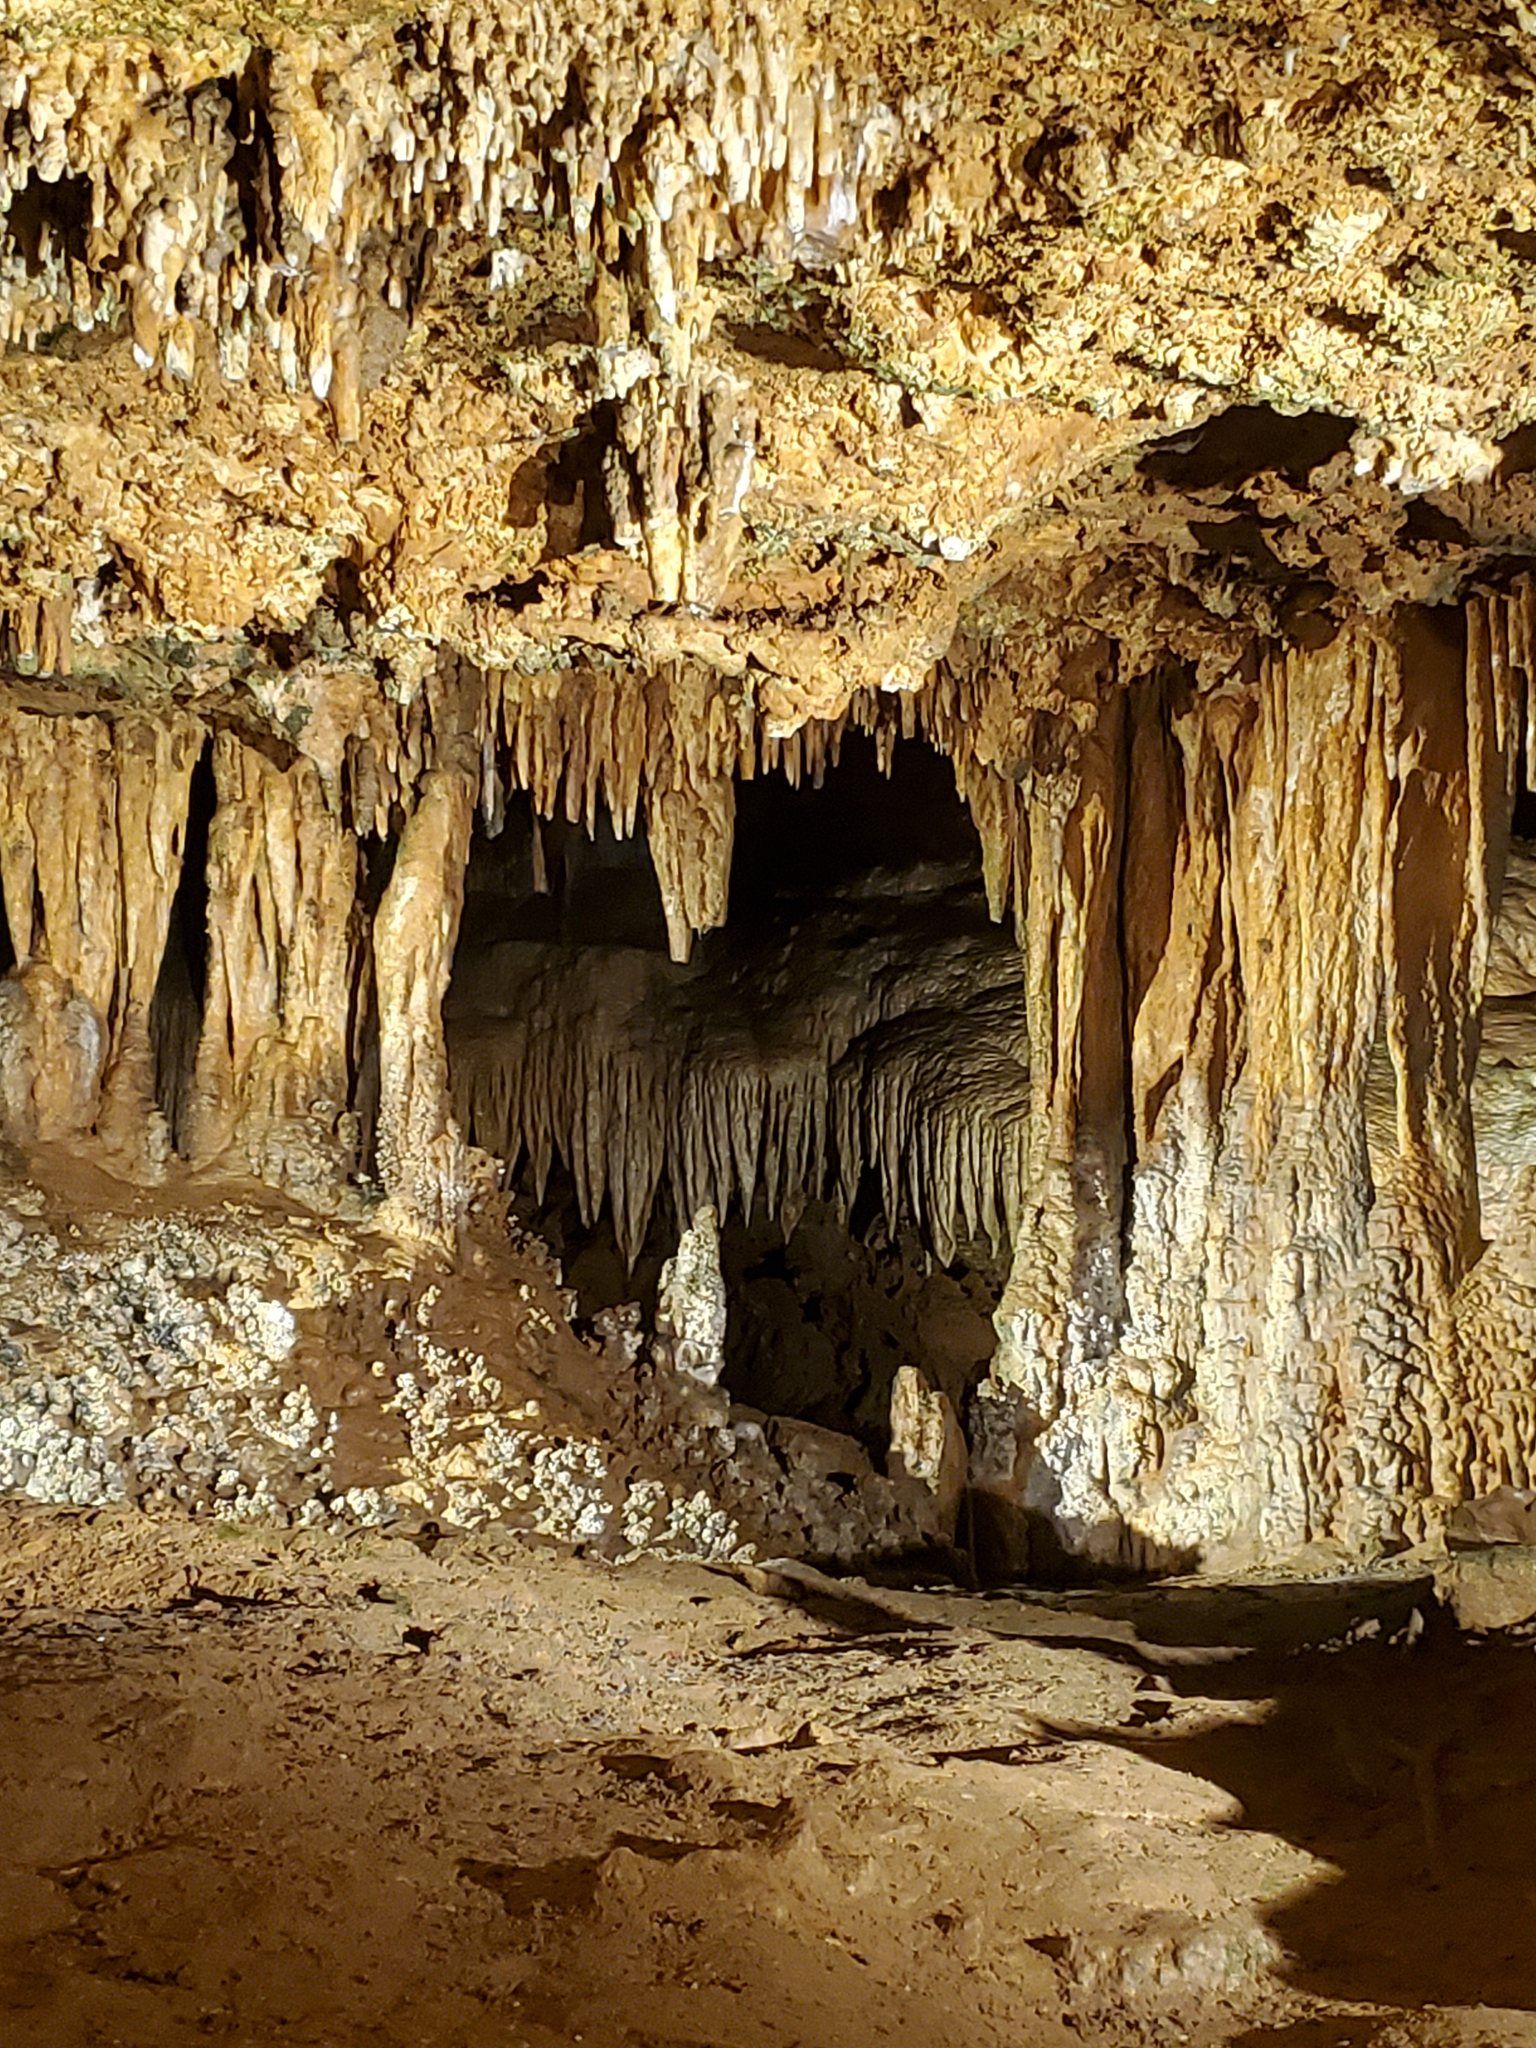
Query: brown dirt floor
x=324 y=1790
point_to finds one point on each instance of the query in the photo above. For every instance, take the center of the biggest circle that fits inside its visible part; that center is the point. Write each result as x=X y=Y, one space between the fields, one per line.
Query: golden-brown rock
x=431 y=411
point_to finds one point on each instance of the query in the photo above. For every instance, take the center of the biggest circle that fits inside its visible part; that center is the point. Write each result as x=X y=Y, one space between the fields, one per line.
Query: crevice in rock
x=176 y=1012
x=1242 y=443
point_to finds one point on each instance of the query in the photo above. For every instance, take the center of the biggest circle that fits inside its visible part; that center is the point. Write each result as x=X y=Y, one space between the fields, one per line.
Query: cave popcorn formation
x=539 y=426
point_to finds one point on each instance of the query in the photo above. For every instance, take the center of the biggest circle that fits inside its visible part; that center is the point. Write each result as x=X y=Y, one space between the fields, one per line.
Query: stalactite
x=584 y=741
x=605 y=739
x=688 y=448
x=771 y=1085
x=631 y=1105
x=92 y=817
x=690 y=832
x=272 y=1082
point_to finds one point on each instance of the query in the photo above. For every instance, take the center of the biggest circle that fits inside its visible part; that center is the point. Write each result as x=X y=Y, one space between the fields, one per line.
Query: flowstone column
x=1483 y=1387
x=1250 y=1253
x=272 y=1085
x=1256 y=1354
x=1050 y=1397
x=92 y=826
x=422 y=1158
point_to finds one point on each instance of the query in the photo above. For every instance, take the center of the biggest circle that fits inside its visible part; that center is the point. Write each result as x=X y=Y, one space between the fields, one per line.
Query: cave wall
x=1236 y=1323
x=410 y=409
x=1247 y=1338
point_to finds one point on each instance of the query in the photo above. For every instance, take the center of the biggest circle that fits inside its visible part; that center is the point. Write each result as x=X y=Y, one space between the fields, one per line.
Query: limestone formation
x=421 y=1150
x=857 y=1040
x=927 y=1443
x=90 y=855
x=438 y=439
x=691 y=1309
x=272 y=1076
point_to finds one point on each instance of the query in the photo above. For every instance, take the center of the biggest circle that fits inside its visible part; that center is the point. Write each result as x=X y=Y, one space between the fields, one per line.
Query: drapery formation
x=1224 y=1327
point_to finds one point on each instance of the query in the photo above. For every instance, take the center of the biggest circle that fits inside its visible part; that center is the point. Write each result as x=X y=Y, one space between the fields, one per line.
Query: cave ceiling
x=815 y=345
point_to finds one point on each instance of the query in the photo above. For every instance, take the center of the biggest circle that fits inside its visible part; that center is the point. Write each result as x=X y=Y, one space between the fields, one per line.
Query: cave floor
x=327 y=1789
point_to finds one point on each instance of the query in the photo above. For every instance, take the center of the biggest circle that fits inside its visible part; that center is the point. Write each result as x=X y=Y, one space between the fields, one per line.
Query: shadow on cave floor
x=1278 y=1617
x=1408 y=1766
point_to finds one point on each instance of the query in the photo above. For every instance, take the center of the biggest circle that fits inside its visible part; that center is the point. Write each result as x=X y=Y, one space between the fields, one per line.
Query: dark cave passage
x=808 y=1073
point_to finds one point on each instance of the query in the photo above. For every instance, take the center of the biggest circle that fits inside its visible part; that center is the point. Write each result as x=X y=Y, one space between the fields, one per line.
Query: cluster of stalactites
x=581 y=743
x=937 y=1105
x=664 y=747
x=271 y=199
x=675 y=740
x=970 y=713
x=628 y=1123
x=1501 y=654
x=37 y=631
x=292 y=952
x=94 y=820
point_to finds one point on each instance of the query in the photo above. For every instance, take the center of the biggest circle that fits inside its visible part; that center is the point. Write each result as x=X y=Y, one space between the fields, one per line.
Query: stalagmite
x=691 y=1306
x=927 y=1443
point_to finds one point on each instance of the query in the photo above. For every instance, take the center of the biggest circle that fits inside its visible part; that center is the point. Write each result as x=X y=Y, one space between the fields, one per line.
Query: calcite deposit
x=438 y=440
